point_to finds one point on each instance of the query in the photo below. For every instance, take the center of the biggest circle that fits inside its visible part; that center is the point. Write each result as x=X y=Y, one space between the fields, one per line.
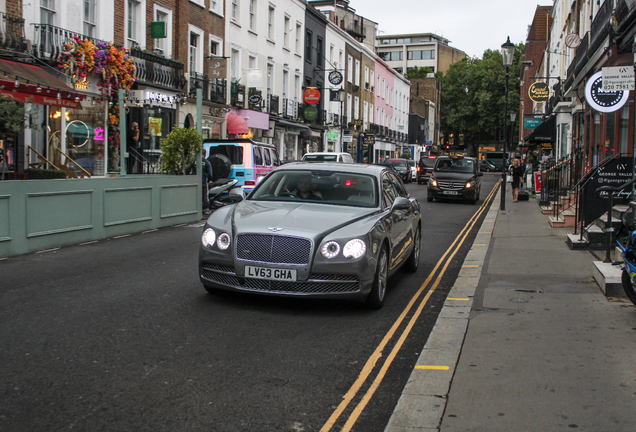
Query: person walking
x=132 y=147
x=516 y=171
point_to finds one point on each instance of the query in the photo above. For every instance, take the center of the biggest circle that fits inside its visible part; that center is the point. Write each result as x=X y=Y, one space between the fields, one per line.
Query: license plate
x=450 y=192
x=270 y=273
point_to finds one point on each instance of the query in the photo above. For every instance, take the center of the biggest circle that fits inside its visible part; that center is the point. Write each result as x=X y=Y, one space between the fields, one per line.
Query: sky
x=472 y=26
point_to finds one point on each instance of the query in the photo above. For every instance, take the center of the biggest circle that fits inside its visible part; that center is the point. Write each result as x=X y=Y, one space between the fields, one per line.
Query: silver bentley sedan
x=314 y=230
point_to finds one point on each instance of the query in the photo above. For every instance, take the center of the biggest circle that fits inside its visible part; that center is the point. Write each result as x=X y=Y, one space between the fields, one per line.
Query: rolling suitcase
x=524 y=195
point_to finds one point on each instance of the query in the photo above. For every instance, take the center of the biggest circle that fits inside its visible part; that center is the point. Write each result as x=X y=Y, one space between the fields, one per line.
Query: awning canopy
x=236 y=124
x=30 y=78
x=290 y=124
x=544 y=133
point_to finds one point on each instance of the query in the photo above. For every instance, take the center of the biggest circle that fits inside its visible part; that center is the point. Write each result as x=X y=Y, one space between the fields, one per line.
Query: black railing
x=218 y=90
x=290 y=109
x=158 y=71
x=273 y=104
x=12 y=33
x=624 y=8
x=580 y=60
x=198 y=81
x=601 y=25
x=237 y=97
x=49 y=40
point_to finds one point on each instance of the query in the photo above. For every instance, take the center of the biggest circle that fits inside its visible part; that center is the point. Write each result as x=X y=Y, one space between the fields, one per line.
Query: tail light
x=250 y=183
x=419 y=169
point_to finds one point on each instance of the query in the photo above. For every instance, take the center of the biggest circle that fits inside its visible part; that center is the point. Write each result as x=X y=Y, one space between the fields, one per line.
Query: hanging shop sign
x=618 y=78
x=367 y=139
x=539 y=91
x=310 y=113
x=531 y=123
x=572 y=40
x=335 y=77
x=311 y=95
x=603 y=101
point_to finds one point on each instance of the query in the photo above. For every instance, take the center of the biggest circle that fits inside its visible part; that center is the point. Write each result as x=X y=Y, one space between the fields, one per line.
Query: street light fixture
x=507 y=53
x=342 y=96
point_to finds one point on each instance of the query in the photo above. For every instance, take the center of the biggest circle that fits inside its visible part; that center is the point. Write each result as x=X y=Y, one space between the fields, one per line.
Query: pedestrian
x=516 y=171
x=132 y=147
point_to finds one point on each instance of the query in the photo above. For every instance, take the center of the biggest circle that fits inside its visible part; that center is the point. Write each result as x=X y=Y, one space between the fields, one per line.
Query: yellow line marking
x=459 y=241
x=470 y=266
x=432 y=367
x=480 y=244
x=484 y=232
x=457 y=298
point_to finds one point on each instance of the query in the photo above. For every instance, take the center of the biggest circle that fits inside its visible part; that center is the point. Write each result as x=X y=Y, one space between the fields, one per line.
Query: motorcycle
x=626 y=239
x=223 y=192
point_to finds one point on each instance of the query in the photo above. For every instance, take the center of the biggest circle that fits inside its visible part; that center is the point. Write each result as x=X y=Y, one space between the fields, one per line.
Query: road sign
x=311 y=95
x=618 y=78
x=531 y=123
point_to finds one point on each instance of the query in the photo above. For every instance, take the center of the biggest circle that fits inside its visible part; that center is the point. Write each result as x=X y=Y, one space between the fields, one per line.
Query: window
x=308 y=37
x=372 y=81
x=47 y=12
x=299 y=33
x=270 y=23
x=340 y=57
x=349 y=107
x=357 y=72
x=235 y=64
x=319 y=48
x=253 y=15
x=133 y=9
x=366 y=77
x=195 y=50
x=216 y=6
x=251 y=61
x=356 y=108
x=623 y=129
x=350 y=69
x=285 y=84
x=331 y=55
x=270 y=79
x=365 y=115
x=164 y=45
x=286 y=31
x=135 y=19
x=296 y=87
x=235 y=10
x=216 y=46
x=89 y=18
x=370 y=113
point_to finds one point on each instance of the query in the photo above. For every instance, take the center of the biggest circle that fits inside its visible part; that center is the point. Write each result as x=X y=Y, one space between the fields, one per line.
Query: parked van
x=327 y=157
x=241 y=159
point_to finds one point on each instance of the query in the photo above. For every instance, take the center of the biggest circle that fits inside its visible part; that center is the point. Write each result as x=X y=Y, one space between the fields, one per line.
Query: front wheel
x=628 y=286
x=375 y=300
x=413 y=261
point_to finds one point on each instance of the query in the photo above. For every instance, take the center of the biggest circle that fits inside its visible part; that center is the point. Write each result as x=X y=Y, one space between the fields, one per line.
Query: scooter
x=223 y=192
x=626 y=239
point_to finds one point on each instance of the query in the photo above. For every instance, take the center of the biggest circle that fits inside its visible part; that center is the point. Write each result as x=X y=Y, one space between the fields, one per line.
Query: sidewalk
x=526 y=342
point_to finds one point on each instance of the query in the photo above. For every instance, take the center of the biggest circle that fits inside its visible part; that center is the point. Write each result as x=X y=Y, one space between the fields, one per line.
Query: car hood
x=299 y=219
x=453 y=176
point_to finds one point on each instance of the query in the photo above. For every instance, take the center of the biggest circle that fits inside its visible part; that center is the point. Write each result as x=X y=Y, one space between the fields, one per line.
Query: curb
x=423 y=400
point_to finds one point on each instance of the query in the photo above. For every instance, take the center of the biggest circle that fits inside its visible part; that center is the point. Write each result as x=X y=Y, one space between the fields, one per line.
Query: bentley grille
x=273 y=249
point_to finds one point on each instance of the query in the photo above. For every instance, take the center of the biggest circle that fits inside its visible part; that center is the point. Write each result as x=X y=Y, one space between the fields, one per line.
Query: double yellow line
x=368 y=368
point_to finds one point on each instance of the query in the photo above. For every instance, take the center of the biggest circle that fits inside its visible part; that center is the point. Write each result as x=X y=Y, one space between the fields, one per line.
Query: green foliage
x=405 y=156
x=11 y=115
x=44 y=174
x=179 y=150
x=418 y=72
x=473 y=96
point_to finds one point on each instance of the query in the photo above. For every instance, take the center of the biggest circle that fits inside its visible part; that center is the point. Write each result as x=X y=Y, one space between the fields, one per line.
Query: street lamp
x=342 y=96
x=507 y=52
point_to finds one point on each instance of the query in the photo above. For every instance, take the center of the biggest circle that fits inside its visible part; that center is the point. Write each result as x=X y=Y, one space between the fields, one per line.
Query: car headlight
x=208 y=237
x=224 y=241
x=330 y=249
x=354 y=248
x=469 y=185
x=434 y=182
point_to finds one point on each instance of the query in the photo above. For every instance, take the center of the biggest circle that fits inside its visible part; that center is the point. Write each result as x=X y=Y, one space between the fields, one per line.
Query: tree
x=473 y=97
x=11 y=121
x=418 y=72
x=179 y=150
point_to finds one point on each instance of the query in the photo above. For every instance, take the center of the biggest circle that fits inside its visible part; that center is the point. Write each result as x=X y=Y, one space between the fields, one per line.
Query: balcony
x=12 y=33
x=237 y=97
x=290 y=109
x=334 y=120
x=625 y=14
x=273 y=104
x=218 y=90
x=601 y=26
x=214 y=90
x=157 y=71
x=49 y=40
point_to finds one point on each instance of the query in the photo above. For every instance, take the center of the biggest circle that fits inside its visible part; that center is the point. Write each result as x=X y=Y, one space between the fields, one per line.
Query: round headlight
x=469 y=185
x=208 y=237
x=354 y=248
x=330 y=249
x=224 y=241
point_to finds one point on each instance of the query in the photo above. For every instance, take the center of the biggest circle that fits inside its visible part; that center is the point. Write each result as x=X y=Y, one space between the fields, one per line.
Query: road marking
x=484 y=232
x=149 y=231
x=377 y=354
x=475 y=244
x=122 y=236
x=470 y=266
x=48 y=250
x=457 y=299
x=432 y=367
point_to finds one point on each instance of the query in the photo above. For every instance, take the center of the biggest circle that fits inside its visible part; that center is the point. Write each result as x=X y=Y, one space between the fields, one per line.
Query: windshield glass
x=398 y=163
x=455 y=165
x=325 y=187
x=320 y=158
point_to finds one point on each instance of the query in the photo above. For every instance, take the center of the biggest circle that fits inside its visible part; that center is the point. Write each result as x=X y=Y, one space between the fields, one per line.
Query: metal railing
x=273 y=104
x=601 y=25
x=152 y=69
x=49 y=40
x=12 y=33
x=237 y=95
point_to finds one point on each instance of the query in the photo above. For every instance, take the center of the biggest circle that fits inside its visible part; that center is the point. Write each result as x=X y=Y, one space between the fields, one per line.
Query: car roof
x=325 y=153
x=357 y=168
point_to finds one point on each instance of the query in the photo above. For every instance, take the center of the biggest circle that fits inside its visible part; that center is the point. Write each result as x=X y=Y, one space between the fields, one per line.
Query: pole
x=633 y=197
x=505 y=148
x=122 y=132
x=199 y=160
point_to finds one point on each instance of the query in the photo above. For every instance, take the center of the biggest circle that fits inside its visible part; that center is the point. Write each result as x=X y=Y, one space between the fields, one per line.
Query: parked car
x=486 y=166
x=279 y=242
x=425 y=168
x=401 y=167
x=413 y=167
x=241 y=159
x=327 y=157
x=455 y=177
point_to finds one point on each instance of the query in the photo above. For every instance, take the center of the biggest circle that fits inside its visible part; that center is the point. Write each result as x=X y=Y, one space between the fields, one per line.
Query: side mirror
x=401 y=203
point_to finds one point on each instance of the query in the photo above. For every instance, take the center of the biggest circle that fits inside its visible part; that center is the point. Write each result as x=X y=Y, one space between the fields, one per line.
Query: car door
x=401 y=235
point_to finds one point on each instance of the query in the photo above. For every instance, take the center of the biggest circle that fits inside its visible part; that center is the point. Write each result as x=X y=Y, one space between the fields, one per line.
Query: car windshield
x=325 y=187
x=455 y=165
x=320 y=158
x=398 y=163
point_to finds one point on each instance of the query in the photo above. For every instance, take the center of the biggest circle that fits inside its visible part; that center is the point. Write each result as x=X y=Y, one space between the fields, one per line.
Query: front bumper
x=452 y=193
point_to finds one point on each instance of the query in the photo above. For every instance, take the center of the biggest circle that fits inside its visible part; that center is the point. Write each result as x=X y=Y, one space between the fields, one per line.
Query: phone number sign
x=618 y=78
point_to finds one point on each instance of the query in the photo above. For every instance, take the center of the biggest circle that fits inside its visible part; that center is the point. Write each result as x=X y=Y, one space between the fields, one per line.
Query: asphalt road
x=119 y=335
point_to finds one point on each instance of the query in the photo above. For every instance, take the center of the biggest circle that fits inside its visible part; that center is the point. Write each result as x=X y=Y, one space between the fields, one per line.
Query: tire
x=429 y=198
x=628 y=287
x=413 y=261
x=221 y=166
x=375 y=300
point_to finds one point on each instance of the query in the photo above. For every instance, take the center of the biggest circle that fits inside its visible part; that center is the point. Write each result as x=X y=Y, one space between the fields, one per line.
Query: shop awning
x=544 y=133
x=29 y=79
x=290 y=124
x=236 y=124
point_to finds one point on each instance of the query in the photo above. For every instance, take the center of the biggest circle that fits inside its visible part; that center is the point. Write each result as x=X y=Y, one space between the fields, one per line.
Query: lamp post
x=507 y=52
x=342 y=95
x=513 y=116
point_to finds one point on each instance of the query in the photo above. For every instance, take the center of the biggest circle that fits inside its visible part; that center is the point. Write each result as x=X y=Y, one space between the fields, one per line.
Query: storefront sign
x=311 y=95
x=367 y=139
x=158 y=29
x=618 y=78
x=546 y=147
x=99 y=134
x=255 y=99
x=603 y=101
x=347 y=138
x=42 y=100
x=539 y=91
x=81 y=84
x=531 y=123
x=335 y=77
x=160 y=97
x=310 y=113
x=289 y=108
x=254 y=78
x=218 y=68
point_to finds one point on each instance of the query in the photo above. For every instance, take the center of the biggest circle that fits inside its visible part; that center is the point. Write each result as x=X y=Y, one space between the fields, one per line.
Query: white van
x=327 y=157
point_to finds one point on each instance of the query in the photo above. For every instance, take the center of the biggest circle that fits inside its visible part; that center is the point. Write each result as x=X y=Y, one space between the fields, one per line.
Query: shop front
x=292 y=140
x=257 y=122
